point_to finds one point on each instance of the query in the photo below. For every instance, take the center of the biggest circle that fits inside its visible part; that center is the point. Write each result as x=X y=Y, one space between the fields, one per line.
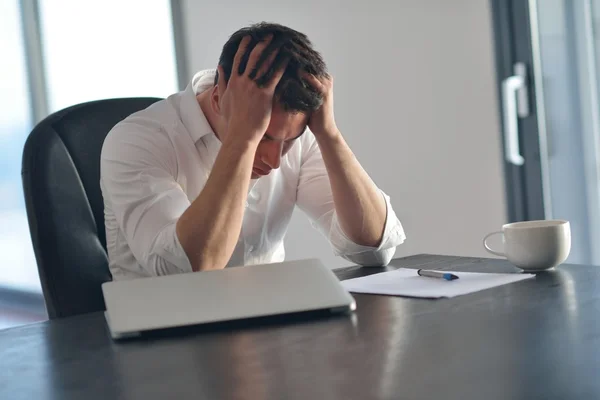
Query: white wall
x=415 y=99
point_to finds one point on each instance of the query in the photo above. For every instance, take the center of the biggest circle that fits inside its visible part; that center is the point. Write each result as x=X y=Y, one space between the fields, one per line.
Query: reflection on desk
x=539 y=338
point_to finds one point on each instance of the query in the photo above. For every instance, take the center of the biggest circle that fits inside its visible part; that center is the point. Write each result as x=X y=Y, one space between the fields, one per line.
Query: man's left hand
x=322 y=121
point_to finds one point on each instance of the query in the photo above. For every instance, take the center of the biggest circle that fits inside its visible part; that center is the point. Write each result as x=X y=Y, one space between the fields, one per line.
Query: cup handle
x=488 y=248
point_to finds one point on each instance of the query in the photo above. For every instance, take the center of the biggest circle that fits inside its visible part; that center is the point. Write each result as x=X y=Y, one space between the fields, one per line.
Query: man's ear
x=215 y=100
x=216 y=96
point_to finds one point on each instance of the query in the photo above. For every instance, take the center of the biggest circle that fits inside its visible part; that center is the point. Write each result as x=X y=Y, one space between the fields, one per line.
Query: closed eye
x=271 y=138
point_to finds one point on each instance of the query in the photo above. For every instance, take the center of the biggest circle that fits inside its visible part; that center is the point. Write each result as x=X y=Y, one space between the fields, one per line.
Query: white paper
x=406 y=282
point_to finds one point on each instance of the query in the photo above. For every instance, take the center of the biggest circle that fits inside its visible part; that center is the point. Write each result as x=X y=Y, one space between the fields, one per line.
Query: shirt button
x=250 y=249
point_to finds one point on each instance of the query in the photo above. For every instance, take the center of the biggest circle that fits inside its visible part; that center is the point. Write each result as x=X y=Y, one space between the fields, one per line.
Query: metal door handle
x=514 y=105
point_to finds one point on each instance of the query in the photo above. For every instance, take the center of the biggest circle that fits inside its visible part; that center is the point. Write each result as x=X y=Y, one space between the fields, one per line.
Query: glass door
x=548 y=57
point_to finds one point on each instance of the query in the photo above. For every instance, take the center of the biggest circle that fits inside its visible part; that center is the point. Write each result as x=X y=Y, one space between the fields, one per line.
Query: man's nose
x=272 y=154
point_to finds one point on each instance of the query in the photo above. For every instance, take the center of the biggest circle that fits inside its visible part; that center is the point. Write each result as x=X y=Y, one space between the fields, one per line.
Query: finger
x=239 y=54
x=256 y=53
x=313 y=81
x=263 y=65
x=221 y=79
x=279 y=70
x=262 y=74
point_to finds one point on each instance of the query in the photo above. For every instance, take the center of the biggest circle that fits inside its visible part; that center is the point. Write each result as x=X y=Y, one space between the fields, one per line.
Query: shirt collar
x=192 y=116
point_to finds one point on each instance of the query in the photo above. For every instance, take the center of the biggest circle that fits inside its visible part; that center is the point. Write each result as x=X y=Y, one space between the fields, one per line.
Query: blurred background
x=57 y=53
x=419 y=97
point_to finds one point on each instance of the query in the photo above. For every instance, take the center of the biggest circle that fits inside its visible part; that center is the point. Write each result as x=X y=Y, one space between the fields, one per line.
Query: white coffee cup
x=534 y=245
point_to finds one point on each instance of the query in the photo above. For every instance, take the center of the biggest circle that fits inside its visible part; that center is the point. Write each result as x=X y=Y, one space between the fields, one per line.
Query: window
x=17 y=265
x=86 y=50
x=103 y=49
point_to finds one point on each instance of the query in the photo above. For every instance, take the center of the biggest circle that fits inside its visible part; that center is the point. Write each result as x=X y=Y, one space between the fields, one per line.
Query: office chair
x=65 y=209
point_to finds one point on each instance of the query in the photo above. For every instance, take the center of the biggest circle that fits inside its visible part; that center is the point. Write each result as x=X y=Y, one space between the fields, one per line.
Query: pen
x=433 y=274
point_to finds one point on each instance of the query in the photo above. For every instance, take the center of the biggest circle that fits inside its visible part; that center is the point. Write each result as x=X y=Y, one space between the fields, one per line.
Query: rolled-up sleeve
x=315 y=198
x=138 y=178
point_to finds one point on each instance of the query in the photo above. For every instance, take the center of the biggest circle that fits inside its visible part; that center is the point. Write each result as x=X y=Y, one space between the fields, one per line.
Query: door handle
x=515 y=104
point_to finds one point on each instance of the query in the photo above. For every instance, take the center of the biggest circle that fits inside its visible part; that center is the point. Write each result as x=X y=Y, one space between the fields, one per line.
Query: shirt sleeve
x=138 y=176
x=315 y=198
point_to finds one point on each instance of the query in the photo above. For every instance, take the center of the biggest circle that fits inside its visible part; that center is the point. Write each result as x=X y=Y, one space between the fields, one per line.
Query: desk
x=535 y=339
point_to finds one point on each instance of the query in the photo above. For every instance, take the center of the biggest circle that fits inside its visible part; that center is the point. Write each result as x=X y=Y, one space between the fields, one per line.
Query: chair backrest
x=65 y=209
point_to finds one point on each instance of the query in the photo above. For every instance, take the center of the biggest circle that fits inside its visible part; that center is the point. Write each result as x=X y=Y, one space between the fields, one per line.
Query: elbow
x=200 y=255
x=159 y=265
x=202 y=264
x=166 y=255
x=375 y=258
x=202 y=259
x=386 y=257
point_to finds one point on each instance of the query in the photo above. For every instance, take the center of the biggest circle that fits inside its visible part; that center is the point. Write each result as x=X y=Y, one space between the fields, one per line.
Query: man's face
x=284 y=128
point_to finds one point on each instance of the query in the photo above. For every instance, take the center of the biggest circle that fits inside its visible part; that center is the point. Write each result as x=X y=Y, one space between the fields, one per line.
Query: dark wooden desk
x=536 y=339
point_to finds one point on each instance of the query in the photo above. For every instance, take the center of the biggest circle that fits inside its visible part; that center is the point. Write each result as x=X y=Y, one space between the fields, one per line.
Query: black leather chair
x=61 y=181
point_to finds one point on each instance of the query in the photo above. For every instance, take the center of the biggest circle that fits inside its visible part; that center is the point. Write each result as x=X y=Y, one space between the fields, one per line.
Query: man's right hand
x=245 y=105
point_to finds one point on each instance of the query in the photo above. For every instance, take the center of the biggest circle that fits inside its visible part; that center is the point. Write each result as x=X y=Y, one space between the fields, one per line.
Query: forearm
x=209 y=229
x=359 y=205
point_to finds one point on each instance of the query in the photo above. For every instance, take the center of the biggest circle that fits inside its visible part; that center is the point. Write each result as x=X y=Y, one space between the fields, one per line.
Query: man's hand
x=245 y=104
x=322 y=121
x=210 y=227
x=359 y=205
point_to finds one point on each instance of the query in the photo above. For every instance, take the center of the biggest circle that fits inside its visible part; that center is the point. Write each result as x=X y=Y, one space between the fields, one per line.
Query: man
x=210 y=176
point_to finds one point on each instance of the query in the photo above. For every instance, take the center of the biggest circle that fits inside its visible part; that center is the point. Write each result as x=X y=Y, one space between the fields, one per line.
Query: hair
x=292 y=92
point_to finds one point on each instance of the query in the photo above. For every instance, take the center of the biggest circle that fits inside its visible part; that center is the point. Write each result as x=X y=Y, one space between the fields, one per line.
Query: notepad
x=406 y=282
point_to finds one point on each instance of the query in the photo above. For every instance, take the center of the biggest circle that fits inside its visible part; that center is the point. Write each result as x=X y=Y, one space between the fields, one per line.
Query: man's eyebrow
x=289 y=140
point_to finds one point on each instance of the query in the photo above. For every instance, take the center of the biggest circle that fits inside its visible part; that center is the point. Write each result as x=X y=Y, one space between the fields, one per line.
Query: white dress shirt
x=156 y=162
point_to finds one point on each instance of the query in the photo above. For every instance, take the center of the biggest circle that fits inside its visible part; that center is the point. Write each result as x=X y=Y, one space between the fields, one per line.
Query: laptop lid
x=232 y=293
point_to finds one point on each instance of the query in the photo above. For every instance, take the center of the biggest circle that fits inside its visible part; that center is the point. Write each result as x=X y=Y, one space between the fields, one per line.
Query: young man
x=210 y=176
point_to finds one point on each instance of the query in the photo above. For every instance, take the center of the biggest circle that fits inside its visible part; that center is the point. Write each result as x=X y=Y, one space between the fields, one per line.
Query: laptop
x=234 y=293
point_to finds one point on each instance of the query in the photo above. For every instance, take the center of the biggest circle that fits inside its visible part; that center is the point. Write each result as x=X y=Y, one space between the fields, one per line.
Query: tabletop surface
x=534 y=339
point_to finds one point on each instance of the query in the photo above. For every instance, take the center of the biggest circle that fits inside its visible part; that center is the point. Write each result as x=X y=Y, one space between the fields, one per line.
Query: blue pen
x=434 y=274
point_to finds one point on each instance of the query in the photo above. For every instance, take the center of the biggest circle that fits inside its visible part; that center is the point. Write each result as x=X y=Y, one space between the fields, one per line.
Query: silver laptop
x=140 y=305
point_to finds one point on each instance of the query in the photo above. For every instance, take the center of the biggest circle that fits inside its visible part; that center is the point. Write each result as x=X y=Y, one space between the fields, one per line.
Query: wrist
x=235 y=141
x=240 y=134
x=330 y=134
